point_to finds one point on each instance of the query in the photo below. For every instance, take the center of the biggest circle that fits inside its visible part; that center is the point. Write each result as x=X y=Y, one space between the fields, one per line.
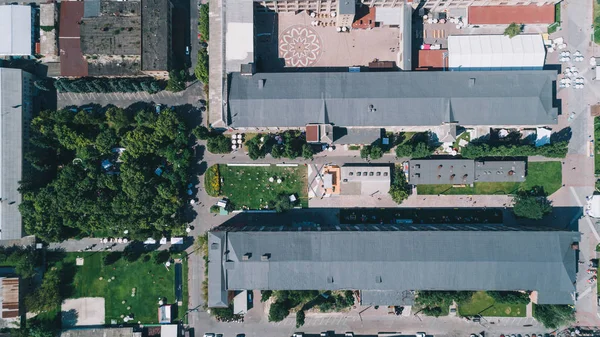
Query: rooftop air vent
x=471 y=82
x=214 y=246
x=329 y=279
x=261 y=83
x=246 y=256
x=377 y=279
x=265 y=257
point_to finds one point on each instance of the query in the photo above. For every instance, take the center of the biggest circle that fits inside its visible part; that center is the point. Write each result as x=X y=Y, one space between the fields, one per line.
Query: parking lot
x=124 y=99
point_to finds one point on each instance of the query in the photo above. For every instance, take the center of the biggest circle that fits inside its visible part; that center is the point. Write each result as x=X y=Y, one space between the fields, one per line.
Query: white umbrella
x=279 y=181
x=119 y=240
x=187 y=230
x=125 y=240
x=239 y=136
x=233 y=146
x=271 y=179
x=239 y=141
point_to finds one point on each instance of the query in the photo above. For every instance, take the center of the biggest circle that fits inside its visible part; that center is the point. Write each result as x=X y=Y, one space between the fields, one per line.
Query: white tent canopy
x=593 y=206
x=466 y=52
x=542 y=136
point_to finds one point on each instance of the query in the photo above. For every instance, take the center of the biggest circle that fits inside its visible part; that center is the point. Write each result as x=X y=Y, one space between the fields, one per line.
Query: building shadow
x=266 y=41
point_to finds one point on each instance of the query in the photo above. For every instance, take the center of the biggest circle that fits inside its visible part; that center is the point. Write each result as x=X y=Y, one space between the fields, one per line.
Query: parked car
x=209 y=334
x=420 y=334
x=349 y=334
x=187 y=50
x=298 y=334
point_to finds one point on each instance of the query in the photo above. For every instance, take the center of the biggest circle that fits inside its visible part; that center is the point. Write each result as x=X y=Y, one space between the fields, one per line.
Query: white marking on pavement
x=587 y=219
x=585 y=292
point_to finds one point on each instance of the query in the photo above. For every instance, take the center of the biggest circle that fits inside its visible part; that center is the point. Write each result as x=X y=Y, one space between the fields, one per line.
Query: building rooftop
x=111 y=35
x=365 y=180
x=486 y=52
x=543 y=261
x=11 y=151
x=239 y=34
x=505 y=15
x=72 y=62
x=95 y=332
x=496 y=170
x=464 y=171
x=16 y=27
x=418 y=98
x=156 y=35
x=441 y=171
x=10 y=298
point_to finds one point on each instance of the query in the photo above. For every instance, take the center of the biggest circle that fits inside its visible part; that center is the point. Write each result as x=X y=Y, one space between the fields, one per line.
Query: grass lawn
x=545 y=174
x=597 y=126
x=482 y=304
x=596 y=22
x=249 y=187
x=150 y=280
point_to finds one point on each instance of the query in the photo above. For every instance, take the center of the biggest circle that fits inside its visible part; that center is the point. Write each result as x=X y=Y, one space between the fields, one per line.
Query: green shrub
x=509 y=297
x=212 y=181
x=218 y=144
x=300 y=316
x=265 y=295
x=278 y=312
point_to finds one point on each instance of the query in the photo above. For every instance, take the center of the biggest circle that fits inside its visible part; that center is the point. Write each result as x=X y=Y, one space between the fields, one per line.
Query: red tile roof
x=312 y=133
x=432 y=59
x=72 y=62
x=499 y=15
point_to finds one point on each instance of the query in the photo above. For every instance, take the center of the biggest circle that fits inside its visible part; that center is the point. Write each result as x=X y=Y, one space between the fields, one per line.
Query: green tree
x=177 y=81
x=376 y=152
x=117 y=119
x=531 y=206
x=218 y=144
x=203 y=22
x=201 y=69
x=106 y=140
x=554 y=316
x=255 y=150
x=265 y=295
x=404 y=151
x=399 y=189
x=307 y=152
x=365 y=151
x=47 y=296
x=201 y=132
x=421 y=150
x=300 y=316
x=276 y=151
x=513 y=30
x=282 y=203
x=278 y=312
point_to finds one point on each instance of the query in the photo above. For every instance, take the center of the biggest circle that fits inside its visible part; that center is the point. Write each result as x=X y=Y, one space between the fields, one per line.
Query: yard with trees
x=259 y=187
x=100 y=173
x=285 y=301
x=129 y=284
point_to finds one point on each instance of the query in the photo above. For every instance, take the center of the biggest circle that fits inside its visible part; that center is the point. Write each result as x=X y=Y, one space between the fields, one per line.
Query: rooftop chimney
x=265 y=257
x=246 y=256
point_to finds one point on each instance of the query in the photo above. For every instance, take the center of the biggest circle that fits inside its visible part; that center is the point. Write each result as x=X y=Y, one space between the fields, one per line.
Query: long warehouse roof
x=394 y=260
x=377 y=99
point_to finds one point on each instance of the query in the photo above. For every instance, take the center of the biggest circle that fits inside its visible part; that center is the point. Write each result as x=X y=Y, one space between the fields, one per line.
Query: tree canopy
x=105 y=172
x=513 y=30
x=554 y=316
x=531 y=205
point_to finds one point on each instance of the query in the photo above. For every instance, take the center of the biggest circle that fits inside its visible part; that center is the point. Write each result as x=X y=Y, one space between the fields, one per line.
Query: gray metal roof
x=441 y=171
x=494 y=171
x=361 y=136
x=386 y=297
x=217 y=293
x=365 y=180
x=347 y=7
x=13 y=107
x=464 y=171
x=378 y=99
x=394 y=260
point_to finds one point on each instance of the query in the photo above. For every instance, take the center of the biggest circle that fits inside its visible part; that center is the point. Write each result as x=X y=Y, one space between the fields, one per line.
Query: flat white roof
x=496 y=51
x=15 y=25
x=391 y=16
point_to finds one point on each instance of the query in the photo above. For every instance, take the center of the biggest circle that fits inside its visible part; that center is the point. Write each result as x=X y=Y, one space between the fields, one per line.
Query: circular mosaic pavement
x=300 y=46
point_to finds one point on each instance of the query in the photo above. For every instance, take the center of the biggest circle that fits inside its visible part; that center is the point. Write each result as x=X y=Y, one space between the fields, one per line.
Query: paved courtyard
x=83 y=311
x=290 y=40
x=191 y=95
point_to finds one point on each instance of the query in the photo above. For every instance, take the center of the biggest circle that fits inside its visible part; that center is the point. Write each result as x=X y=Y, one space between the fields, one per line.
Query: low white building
x=16 y=27
x=496 y=52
